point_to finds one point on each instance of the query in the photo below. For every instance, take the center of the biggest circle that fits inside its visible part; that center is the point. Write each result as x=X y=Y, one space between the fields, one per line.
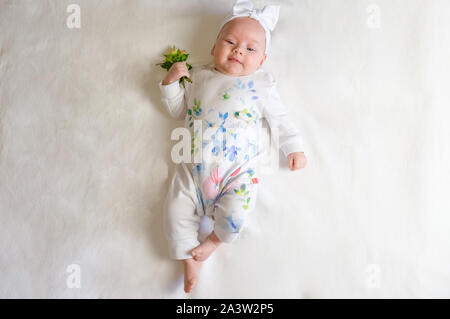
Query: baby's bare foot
x=191 y=271
x=205 y=249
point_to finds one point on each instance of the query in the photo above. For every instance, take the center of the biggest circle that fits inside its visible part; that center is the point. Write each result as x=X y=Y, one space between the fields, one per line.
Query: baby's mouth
x=234 y=60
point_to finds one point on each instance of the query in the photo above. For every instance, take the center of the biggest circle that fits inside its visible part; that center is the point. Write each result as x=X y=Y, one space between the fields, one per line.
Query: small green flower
x=173 y=56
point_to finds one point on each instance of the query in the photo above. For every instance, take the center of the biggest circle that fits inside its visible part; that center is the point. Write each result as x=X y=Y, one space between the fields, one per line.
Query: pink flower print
x=212 y=183
x=233 y=184
x=236 y=171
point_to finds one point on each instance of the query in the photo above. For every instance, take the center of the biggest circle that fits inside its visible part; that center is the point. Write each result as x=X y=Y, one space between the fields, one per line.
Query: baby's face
x=242 y=39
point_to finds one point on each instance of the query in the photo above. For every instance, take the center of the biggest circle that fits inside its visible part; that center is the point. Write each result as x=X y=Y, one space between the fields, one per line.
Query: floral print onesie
x=224 y=116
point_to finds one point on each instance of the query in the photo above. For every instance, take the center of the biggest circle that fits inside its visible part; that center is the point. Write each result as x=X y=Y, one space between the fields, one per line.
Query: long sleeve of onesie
x=275 y=112
x=172 y=96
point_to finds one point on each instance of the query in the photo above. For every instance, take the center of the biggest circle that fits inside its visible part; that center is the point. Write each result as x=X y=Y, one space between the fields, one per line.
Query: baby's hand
x=297 y=160
x=176 y=72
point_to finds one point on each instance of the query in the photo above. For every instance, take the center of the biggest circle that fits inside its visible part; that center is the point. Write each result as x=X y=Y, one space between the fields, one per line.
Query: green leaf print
x=197 y=107
x=194 y=112
x=246 y=115
x=244 y=192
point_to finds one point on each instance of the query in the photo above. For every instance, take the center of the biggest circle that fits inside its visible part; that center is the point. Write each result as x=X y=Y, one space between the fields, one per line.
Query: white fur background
x=85 y=152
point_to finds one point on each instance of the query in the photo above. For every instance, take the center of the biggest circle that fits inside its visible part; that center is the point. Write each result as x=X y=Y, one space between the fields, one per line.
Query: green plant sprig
x=173 y=56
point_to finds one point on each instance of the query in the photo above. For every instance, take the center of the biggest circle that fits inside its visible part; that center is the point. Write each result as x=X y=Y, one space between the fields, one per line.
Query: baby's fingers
x=182 y=69
x=185 y=73
x=296 y=164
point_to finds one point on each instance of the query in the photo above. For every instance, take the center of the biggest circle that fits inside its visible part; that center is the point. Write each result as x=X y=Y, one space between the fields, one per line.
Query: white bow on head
x=267 y=17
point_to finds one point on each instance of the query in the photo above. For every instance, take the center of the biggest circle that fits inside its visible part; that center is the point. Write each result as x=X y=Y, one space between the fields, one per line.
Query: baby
x=229 y=98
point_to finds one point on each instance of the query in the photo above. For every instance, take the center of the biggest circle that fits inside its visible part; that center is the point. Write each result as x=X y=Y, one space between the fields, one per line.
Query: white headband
x=267 y=17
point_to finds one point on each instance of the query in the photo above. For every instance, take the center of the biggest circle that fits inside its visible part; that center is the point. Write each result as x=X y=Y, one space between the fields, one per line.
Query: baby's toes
x=198 y=254
x=189 y=284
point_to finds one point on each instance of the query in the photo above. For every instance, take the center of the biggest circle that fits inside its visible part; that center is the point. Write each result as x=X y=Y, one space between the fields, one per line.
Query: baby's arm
x=289 y=137
x=172 y=94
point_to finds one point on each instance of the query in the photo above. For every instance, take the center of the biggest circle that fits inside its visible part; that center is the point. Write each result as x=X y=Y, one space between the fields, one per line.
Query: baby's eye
x=229 y=42
x=250 y=49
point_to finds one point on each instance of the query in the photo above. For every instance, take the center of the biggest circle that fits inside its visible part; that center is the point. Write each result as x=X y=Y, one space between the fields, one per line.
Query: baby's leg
x=181 y=224
x=191 y=271
x=181 y=221
x=230 y=213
